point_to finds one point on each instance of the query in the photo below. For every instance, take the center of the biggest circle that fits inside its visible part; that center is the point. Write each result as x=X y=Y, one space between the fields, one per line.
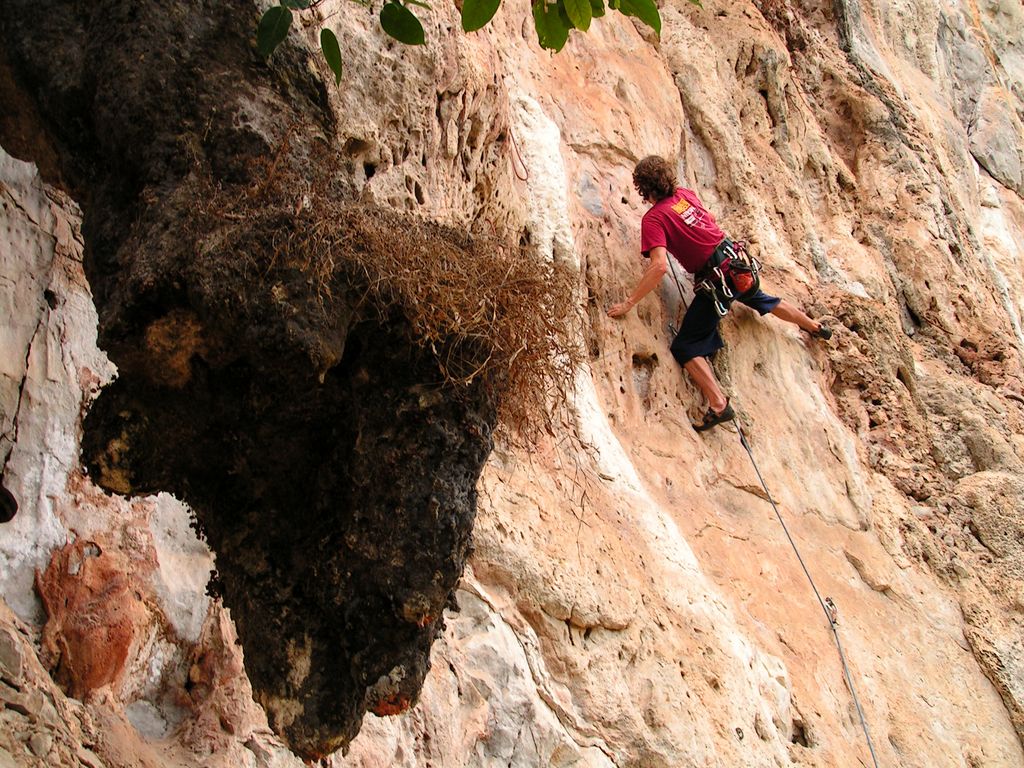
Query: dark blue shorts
x=699 y=335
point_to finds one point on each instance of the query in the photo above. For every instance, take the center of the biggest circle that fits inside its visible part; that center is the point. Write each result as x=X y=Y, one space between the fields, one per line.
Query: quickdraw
x=731 y=273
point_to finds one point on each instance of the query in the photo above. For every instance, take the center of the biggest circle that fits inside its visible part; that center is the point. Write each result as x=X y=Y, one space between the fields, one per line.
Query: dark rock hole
x=356 y=147
x=8 y=505
x=800 y=735
x=914 y=317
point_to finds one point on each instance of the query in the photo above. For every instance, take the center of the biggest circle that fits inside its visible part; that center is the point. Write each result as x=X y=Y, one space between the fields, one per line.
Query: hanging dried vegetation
x=492 y=313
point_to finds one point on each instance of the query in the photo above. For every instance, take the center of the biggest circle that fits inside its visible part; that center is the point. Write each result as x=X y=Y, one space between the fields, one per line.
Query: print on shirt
x=690 y=214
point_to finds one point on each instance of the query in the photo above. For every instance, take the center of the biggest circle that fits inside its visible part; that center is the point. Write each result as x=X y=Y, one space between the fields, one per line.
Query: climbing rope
x=827 y=606
x=526 y=171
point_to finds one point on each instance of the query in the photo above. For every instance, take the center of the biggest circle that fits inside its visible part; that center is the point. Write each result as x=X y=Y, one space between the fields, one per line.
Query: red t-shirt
x=682 y=225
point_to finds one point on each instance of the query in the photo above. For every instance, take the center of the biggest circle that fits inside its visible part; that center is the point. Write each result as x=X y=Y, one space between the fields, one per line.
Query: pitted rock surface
x=630 y=599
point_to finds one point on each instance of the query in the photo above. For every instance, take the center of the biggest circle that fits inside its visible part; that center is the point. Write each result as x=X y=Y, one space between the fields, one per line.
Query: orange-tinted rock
x=392 y=706
x=95 y=616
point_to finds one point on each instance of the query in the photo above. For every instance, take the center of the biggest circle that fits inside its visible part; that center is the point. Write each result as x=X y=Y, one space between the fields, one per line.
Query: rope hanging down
x=827 y=606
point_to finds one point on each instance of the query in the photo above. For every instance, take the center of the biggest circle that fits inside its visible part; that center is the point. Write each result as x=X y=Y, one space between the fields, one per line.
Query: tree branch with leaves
x=552 y=20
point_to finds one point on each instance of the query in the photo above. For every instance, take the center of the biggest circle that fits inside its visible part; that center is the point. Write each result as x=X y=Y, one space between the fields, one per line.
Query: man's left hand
x=620 y=309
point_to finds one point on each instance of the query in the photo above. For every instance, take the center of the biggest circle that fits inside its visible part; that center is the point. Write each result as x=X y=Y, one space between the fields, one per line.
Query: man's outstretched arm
x=648 y=282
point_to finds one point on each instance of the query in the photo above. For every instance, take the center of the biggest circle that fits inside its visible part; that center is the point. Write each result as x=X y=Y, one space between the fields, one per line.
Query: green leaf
x=297 y=5
x=476 y=13
x=597 y=8
x=400 y=23
x=698 y=3
x=332 y=52
x=579 y=13
x=273 y=29
x=540 y=23
x=552 y=27
x=645 y=10
x=563 y=16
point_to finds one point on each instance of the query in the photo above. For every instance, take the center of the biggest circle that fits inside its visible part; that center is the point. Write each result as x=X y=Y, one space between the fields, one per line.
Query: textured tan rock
x=632 y=599
x=886 y=416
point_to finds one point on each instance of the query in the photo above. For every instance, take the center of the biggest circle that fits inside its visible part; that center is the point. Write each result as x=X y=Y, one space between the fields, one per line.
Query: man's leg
x=698 y=339
x=791 y=314
x=702 y=375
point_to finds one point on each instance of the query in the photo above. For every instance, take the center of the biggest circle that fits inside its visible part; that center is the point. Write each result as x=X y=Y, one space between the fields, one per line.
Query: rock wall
x=631 y=599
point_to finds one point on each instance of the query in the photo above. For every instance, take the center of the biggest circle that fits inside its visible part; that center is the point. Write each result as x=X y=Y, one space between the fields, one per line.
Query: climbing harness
x=731 y=273
x=828 y=607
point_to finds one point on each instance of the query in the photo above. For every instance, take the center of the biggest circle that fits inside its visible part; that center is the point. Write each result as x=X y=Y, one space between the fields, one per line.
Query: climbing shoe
x=712 y=419
x=824 y=333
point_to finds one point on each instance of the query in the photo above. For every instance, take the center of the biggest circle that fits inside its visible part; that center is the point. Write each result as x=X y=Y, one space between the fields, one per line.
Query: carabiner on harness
x=722 y=282
x=712 y=291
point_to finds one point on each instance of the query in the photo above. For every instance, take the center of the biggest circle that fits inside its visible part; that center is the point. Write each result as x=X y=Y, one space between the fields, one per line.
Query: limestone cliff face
x=631 y=599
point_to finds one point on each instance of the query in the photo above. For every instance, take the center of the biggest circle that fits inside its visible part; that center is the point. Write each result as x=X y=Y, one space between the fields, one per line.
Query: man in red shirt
x=677 y=223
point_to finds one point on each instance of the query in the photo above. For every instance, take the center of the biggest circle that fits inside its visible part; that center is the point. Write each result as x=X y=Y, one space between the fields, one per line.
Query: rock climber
x=679 y=224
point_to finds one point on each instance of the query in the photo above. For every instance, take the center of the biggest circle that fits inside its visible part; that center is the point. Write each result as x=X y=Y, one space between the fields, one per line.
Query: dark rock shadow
x=340 y=513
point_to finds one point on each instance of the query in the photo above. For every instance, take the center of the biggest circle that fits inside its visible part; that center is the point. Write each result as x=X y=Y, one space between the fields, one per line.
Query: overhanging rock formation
x=340 y=513
x=331 y=471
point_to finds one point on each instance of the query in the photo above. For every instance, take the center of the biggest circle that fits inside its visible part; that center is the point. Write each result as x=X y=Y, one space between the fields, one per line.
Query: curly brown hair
x=654 y=178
